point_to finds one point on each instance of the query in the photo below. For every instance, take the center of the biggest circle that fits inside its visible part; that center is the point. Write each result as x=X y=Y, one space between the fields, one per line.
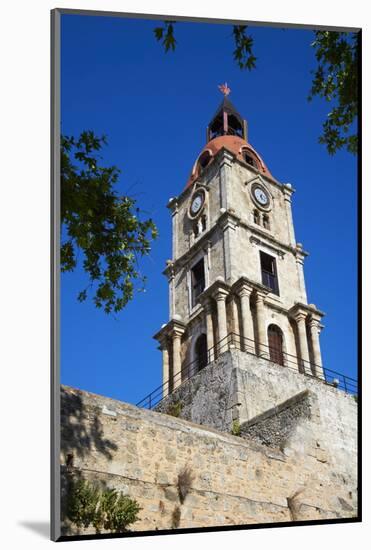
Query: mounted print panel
x=196 y=384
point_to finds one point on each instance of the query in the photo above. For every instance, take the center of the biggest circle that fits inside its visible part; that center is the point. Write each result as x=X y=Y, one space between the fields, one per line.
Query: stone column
x=174 y=216
x=177 y=362
x=303 y=342
x=262 y=348
x=224 y=178
x=220 y=297
x=209 y=330
x=236 y=338
x=229 y=228
x=287 y=192
x=165 y=369
x=300 y=270
x=171 y=276
x=315 y=329
x=171 y=297
x=244 y=293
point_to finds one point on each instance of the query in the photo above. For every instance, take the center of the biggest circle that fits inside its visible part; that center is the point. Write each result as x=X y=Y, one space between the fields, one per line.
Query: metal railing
x=197 y=290
x=270 y=280
x=263 y=351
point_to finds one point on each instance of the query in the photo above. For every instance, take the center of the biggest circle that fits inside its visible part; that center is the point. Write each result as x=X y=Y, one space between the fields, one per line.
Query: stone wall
x=234 y=481
x=209 y=397
x=242 y=386
x=264 y=385
x=277 y=426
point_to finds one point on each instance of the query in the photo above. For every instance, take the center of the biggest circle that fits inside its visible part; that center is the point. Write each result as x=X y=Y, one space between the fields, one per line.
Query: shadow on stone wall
x=275 y=426
x=81 y=429
x=81 y=433
x=69 y=476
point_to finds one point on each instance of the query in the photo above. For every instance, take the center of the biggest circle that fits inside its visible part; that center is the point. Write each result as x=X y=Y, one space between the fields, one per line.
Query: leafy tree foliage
x=82 y=502
x=165 y=34
x=105 y=509
x=243 y=53
x=336 y=79
x=105 y=227
x=243 y=43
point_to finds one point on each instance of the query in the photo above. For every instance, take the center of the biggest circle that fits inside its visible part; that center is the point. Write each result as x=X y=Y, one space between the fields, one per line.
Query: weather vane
x=224 y=89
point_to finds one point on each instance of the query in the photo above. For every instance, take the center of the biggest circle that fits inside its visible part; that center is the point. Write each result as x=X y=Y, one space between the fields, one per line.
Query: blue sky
x=154 y=108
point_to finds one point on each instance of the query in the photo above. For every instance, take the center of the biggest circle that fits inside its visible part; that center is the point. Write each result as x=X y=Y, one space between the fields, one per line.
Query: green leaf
x=107 y=508
x=243 y=52
x=336 y=80
x=107 y=232
x=165 y=34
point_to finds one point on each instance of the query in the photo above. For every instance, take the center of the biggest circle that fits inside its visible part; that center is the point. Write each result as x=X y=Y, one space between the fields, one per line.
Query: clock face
x=261 y=196
x=196 y=203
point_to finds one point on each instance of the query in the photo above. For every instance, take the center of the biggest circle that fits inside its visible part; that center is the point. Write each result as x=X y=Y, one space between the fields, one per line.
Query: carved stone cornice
x=267 y=239
x=244 y=289
x=300 y=254
x=169 y=271
x=258 y=232
x=218 y=286
x=256 y=240
x=180 y=197
x=287 y=190
x=202 y=243
x=276 y=306
x=244 y=281
x=227 y=219
x=220 y=294
x=174 y=326
x=173 y=205
x=308 y=311
x=225 y=157
x=241 y=284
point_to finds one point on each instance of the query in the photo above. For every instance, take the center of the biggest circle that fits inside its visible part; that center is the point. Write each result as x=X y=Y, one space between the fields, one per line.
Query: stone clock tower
x=236 y=281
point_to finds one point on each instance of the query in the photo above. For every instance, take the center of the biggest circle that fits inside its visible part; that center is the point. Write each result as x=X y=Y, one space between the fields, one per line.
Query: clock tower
x=236 y=280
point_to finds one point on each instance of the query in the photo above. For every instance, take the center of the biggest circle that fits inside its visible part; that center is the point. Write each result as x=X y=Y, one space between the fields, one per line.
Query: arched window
x=266 y=223
x=199 y=226
x=197 y=280
x=201 y=353
x=203 y=161
x=275 y=343
x=248 y=158
x=256 y=217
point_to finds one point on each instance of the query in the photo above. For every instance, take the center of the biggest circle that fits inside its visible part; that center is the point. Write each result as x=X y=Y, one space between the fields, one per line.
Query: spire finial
x=224 y=89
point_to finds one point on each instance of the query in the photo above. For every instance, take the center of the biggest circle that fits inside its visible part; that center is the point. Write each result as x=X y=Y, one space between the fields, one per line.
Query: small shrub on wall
x=102 y=508
x=236 y=428
x=175 y=409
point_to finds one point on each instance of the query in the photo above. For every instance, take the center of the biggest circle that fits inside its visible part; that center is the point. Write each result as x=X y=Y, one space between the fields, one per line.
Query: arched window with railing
x=201 y=353
x=275 y=344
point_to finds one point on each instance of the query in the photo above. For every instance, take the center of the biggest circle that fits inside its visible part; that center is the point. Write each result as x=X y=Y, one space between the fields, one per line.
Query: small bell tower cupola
x=227 y=121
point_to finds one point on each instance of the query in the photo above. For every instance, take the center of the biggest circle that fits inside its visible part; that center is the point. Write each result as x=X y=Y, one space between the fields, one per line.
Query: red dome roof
x=236 y=145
